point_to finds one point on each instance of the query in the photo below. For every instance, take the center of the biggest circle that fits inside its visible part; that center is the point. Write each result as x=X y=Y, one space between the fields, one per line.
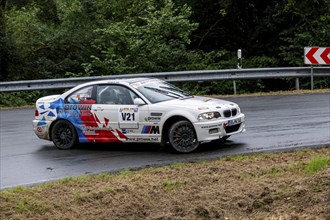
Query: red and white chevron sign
x=317 y=55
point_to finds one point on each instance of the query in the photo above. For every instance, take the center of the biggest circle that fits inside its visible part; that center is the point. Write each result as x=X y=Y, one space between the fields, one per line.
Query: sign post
x=239 y=59
x=239 y=66
x=316 y=56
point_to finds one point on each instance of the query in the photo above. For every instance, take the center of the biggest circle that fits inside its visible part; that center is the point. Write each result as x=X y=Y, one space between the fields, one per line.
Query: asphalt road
x=274 y=123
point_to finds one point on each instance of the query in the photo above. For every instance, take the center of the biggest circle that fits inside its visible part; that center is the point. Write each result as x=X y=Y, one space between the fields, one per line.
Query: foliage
x=48 y=47
x=19 y=98
x=305 y=23
x=24 y=98
x=317 y=164
x=58 y=38
x=4 y=42
x=148 y=38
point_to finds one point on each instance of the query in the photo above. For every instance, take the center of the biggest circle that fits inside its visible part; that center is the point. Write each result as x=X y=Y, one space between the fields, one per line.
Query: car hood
x=201 y=103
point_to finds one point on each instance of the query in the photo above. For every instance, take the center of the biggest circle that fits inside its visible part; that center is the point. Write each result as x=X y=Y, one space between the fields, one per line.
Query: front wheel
x=182 y=137
x=64 y=135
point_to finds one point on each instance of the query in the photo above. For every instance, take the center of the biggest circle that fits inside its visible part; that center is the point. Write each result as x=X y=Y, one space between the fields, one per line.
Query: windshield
x=160 y=91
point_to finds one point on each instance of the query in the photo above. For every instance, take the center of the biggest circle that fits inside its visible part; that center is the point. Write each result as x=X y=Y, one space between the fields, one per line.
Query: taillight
x=36 y=113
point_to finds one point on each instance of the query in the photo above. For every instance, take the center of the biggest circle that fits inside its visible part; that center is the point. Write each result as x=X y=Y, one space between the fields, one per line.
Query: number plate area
x=234 y=122
x=128 y=117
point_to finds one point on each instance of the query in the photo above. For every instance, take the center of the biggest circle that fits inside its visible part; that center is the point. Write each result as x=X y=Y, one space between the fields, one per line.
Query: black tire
x=182 y=137
x=64 y=135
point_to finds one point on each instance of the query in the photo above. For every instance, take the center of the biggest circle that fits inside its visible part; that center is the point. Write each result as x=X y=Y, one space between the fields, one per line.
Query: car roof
x=124 y=81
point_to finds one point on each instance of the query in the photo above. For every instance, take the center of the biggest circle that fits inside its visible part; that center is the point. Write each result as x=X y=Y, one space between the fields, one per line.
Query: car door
x=77 y=109
x=115 y=112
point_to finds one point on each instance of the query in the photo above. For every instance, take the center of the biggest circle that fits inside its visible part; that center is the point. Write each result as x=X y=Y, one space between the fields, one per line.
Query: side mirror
x=138 y=101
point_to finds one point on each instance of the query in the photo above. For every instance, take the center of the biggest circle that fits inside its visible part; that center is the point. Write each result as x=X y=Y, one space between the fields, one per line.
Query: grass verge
x=292 y=185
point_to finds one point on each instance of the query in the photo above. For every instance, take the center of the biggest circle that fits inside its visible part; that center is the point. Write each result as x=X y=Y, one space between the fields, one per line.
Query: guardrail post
x=234 y=84
x=297 y=84
x=312 y=77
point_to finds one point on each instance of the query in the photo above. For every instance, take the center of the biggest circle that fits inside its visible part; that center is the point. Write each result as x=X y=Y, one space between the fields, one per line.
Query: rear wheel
x=64 y=135
x=182 y=137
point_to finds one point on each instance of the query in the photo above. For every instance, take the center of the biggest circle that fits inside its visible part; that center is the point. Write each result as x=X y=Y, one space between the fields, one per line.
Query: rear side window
x=81 y=96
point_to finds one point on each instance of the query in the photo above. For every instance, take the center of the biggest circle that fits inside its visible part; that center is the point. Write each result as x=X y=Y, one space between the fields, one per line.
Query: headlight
x=208 y=116
x=238 y=110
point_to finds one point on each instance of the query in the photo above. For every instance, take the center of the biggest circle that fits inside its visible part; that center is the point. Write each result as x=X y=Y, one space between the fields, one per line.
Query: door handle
x=99 y=109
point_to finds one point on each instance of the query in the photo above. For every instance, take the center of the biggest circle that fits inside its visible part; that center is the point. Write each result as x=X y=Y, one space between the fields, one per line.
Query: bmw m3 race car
x=135 y=110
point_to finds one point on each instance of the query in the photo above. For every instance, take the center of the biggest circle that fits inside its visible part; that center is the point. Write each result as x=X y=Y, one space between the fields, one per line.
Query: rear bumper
x=41 y=129
x=213 y=130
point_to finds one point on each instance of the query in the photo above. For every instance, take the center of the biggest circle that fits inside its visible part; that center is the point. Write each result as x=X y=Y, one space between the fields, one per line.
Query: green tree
x=49 y=43
x=3 y=42
x=304 y=23
x=151 y=36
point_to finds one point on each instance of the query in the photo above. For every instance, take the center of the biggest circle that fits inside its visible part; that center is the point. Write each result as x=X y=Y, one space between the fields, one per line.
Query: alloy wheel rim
x=63 y=135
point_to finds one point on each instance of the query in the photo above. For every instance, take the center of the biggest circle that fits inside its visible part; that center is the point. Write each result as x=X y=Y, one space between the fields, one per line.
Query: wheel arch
x=53 y=123
x=168 y=123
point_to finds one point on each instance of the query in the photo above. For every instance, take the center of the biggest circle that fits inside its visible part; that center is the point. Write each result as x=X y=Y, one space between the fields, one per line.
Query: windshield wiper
x=180 y=93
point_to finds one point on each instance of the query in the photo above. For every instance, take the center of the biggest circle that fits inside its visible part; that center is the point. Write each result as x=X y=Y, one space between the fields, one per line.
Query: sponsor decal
x=127 y=131
x=77 y=107
x=76 y=113
x=203 y=108
x=89 y=128
x=150 y=130
x=128 y=114
x=90 y=133
x=144 y=139
x=156 y=114
x=152 y=119
x=40 y=129
x=128 y=110
x=211 y=126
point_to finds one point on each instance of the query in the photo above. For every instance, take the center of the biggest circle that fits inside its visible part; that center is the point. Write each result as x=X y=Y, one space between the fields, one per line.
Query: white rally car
x=135 y=110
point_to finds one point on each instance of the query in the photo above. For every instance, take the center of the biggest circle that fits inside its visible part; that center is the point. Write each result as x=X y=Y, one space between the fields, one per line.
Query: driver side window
x=115 y=95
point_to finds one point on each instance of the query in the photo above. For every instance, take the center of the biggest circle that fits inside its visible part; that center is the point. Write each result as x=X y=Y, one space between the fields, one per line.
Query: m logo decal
x=150 y=130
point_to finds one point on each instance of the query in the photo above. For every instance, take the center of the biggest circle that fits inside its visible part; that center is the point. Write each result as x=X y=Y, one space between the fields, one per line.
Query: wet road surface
x=273 y=123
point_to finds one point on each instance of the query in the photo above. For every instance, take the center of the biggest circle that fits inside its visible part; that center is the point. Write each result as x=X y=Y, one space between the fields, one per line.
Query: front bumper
x=216 y=129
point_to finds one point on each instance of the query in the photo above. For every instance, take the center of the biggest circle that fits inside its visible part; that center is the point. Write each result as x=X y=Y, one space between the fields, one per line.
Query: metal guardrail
x=180 y=76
